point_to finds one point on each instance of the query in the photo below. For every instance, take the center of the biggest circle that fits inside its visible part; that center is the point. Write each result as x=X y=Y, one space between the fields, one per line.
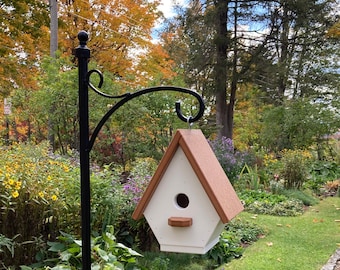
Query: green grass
x=305 y=242
x=174 y=261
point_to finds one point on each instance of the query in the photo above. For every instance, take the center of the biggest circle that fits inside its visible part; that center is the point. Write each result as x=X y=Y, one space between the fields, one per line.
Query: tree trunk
x=283 y=59
x=221 y=42
x=53 y=49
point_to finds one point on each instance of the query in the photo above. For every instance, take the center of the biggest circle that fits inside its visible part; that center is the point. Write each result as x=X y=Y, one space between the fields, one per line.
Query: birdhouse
x=189 y=199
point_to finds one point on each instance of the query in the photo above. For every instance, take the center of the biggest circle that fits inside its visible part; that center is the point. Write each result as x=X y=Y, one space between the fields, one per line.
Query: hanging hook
x=190 y=119
x=190 y=123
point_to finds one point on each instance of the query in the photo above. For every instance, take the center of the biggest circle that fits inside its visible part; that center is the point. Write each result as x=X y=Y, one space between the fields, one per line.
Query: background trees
x=281 y=47
x=23 y=41
x=227 y=50
x=121 y=44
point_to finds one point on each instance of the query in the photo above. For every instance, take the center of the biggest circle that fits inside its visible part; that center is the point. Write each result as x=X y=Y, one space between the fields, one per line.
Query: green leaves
x=106 y=253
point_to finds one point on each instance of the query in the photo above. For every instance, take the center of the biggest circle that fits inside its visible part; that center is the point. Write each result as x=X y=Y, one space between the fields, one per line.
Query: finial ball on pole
x=83 y=37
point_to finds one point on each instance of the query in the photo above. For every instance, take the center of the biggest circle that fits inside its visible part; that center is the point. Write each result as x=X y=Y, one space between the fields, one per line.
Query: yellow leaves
x=334 y=31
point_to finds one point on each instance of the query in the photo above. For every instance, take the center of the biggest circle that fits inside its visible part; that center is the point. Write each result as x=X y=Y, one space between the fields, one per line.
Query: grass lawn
x=305 y=242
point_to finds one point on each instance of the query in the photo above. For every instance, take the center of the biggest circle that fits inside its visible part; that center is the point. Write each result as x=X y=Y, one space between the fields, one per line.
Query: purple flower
x=231 y=160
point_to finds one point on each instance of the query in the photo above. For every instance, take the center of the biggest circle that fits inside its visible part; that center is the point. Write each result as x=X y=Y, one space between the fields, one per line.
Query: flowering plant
x=34 y=185
x=231 y=160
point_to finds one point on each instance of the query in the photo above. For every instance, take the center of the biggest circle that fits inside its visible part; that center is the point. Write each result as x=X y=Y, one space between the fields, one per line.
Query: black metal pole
x=83 y=55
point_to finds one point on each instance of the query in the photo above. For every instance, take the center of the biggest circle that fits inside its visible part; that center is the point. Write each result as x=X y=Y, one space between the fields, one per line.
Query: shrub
x=321 y=172
x=106 y=254
x=294 y=171
x=246 y=231
x=304 y=197
x=237 y=233
x=115 y=194
x=291 y=207
x=261 y=202
x=160 y=263
x=276 y=187
x=228 y=248
x=133 y=190
x=250 y=196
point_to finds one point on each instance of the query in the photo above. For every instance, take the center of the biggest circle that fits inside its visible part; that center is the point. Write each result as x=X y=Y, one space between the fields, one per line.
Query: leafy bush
x=290 y=207
x=106 y=254
x=128 y=193
x=174 y=261
x=261 y=202
x=306 y=198
x=246 y=231
x=8 y=244
x=250 y=196
x=232 y=161
x=160 y=263
x=276 y=187
x=237 y=233
x=294 y=170
x=40 y=188
x=322 y=171
x=228 y=248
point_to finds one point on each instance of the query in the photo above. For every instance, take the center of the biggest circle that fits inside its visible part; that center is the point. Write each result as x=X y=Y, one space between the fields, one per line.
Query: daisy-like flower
x=15 y=194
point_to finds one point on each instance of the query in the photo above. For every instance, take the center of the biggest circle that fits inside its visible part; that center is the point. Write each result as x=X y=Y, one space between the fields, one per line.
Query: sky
x=166 y=7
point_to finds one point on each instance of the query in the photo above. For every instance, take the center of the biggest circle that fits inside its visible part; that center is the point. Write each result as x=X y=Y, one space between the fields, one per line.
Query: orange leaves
x=119 y=31
x=156 y=63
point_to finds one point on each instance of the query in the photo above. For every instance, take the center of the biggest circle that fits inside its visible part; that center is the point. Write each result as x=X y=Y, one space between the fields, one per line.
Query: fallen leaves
x=315 y=220
x=280 y=225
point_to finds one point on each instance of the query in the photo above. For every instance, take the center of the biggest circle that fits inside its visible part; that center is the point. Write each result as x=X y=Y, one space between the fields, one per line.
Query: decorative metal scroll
x=82 y=52
x=128 y=96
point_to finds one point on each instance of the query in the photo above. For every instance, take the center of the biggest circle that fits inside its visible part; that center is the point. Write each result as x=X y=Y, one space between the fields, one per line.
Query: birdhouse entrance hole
x=182 y=200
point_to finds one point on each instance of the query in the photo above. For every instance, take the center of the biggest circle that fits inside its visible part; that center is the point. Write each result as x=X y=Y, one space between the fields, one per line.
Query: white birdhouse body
x=181 y=180
x=189 y=199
